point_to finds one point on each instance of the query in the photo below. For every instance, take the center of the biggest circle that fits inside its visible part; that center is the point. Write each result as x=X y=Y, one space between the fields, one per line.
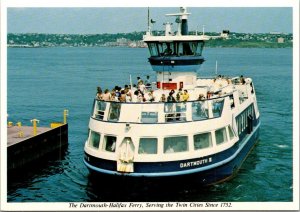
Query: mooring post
x=21 y=134
x=66 y=113
x=35 y=121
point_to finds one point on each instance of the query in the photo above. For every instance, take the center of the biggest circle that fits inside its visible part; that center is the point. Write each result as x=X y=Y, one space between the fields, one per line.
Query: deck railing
x=158 y=112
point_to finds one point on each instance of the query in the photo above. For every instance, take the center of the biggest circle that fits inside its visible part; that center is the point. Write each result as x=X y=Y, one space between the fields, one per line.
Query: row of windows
x=172 y=111
x=175 y=48
x=243 y=119
x=170 y=144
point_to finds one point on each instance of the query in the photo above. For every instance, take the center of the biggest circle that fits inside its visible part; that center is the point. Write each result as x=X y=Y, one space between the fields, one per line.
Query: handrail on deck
x=214 y=98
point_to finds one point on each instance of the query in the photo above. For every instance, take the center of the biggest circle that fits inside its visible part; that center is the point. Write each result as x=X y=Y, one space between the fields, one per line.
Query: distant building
x=280 y=40
x=225 y=34
x=275 y=33
x=122 y=42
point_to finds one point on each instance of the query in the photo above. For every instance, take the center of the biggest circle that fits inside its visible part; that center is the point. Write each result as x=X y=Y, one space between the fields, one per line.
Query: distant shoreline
x=135 y=40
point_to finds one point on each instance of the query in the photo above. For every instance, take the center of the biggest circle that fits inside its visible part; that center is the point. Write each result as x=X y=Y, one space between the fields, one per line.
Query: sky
x=99 y=20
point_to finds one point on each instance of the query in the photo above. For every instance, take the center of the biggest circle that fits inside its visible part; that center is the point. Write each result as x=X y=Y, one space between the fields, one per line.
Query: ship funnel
x=184 y=23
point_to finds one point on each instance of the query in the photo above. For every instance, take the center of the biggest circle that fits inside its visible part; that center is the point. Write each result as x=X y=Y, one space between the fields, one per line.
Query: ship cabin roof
x=172 y=38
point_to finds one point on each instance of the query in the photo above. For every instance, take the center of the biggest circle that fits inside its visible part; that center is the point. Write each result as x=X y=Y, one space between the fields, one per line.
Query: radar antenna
x=181 y=19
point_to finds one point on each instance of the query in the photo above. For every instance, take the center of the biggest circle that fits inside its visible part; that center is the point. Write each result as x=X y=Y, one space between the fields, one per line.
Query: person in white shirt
x=142 y=86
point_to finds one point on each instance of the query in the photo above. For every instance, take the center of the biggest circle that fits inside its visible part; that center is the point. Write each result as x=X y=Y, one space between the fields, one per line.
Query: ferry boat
x=206 y=130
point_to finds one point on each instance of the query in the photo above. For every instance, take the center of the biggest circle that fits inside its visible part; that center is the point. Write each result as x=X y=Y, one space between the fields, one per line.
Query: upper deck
x=206 y=101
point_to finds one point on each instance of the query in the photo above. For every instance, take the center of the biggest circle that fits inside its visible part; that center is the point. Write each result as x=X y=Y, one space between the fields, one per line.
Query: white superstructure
x=209 y=126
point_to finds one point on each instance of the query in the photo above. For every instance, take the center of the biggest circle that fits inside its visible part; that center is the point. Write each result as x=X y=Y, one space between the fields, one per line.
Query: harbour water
x=42 y=82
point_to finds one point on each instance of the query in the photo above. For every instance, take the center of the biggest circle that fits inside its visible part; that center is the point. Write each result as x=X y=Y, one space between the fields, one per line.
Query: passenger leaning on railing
x=99 y=94
x=179 y=95
x=128 y=96
x=140 y=96
x=150 y=96
x=122 y=98
x=201 y=97
x=185 y=96
x=171 y=97
x=114 y=97
x=163 y=98
x=135 y=96
x=106 y=95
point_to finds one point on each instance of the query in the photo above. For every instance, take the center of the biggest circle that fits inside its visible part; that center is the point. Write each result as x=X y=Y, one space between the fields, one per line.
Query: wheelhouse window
x=94 y=139
x=109 y=143
x=148 y=146
x=175 y=144
x=166 y=48
x=199 y=110
x=100 y=109
x=202 y=141
x=197 y=47
x=221 y=136
x=190 y=48
x=184 y=48
x=153 y=49
x=114 y=111
x=175 y=48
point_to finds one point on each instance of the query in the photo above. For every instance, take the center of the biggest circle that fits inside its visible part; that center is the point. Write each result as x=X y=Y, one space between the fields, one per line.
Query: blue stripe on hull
x=179 y=68
x=222 y=165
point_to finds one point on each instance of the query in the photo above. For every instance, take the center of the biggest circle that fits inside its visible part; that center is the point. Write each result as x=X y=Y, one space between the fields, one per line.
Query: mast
x=181 y=19
x=148 y=20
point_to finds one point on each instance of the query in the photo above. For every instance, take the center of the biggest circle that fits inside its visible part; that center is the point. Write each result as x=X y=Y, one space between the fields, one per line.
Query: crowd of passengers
x=142 y=92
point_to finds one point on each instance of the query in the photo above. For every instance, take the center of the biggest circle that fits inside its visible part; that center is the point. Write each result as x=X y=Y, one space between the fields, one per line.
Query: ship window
x=184 y=48
x=245 y=118
x=109 y=143
x=94 y=139
x=231 y=134
x=252 y=110
x=149 y=117
x=99 y=114
x=231 y=101
x=198 y=47
x=238 y=124
x=114 y=111
x=148 y=146
x=217 y=106
x=221 y=136
x=202 y=141
x=152 y=49
x=199 y=110
x=242 y=122
x=175 y=144
x=166 y=48
x=175 y=111
x=93 y=108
